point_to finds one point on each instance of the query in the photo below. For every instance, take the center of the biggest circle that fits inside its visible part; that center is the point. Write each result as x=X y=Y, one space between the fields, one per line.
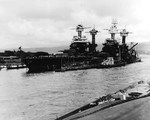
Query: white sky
x=47 y=23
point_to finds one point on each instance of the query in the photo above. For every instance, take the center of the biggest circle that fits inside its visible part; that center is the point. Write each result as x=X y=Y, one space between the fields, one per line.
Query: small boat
x=15 y=67
x=112 y=106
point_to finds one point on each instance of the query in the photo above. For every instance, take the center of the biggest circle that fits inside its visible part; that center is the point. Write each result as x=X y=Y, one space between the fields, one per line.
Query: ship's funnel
x=93 y=33
x=124 y=34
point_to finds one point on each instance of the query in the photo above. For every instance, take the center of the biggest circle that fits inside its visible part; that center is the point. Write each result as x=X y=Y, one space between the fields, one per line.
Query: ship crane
x=113 y=30
x=124 y=34
x=93 y=33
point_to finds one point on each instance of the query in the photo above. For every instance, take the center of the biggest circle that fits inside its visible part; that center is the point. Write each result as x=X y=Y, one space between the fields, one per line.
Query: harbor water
x=48 y=95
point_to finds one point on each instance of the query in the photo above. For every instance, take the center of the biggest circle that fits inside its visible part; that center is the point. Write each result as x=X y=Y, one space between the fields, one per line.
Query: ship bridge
x=79 y=43
x=77 y=39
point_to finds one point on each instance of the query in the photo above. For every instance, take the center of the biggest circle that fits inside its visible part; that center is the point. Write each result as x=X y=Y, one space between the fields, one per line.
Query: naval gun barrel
x=133 y=46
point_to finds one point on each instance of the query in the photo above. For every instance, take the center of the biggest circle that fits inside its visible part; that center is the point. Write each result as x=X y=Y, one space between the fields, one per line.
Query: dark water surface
x=45 y=96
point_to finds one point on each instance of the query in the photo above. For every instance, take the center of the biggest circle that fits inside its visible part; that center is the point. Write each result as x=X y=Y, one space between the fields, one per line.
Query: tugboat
x=82 y=54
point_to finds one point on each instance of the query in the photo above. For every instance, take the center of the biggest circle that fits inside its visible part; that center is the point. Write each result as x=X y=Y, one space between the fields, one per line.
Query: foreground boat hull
x=138 y=109
x=136 y=106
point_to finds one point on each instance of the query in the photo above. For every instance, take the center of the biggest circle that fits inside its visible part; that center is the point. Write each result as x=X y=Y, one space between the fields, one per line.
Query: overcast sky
x=48 y=23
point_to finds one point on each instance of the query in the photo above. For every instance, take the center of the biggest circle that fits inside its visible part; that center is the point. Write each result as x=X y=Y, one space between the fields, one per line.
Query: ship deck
x=134 y=110
x=136 y=105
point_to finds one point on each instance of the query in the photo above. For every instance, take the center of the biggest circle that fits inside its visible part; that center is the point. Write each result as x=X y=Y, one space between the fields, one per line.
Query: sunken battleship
x=83 y=54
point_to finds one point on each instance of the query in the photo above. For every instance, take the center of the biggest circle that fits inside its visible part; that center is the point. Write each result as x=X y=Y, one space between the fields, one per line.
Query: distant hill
x=43 y=49
x=46 y=49
x=142 y=48
x=53 y=49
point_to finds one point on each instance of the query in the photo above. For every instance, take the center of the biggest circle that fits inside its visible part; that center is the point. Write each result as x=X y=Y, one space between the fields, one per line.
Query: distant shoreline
x=142 y=48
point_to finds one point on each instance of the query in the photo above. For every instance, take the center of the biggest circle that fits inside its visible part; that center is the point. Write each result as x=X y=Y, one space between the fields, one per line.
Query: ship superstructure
x=120 y=52
x=80 y=44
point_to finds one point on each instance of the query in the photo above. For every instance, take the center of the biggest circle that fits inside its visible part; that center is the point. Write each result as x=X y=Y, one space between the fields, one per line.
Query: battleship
x=83 y=54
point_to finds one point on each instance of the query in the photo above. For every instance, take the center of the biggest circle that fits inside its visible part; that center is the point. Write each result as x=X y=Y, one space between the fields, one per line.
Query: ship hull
x=54 y=63
x=42 y=64
x=60 y=64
